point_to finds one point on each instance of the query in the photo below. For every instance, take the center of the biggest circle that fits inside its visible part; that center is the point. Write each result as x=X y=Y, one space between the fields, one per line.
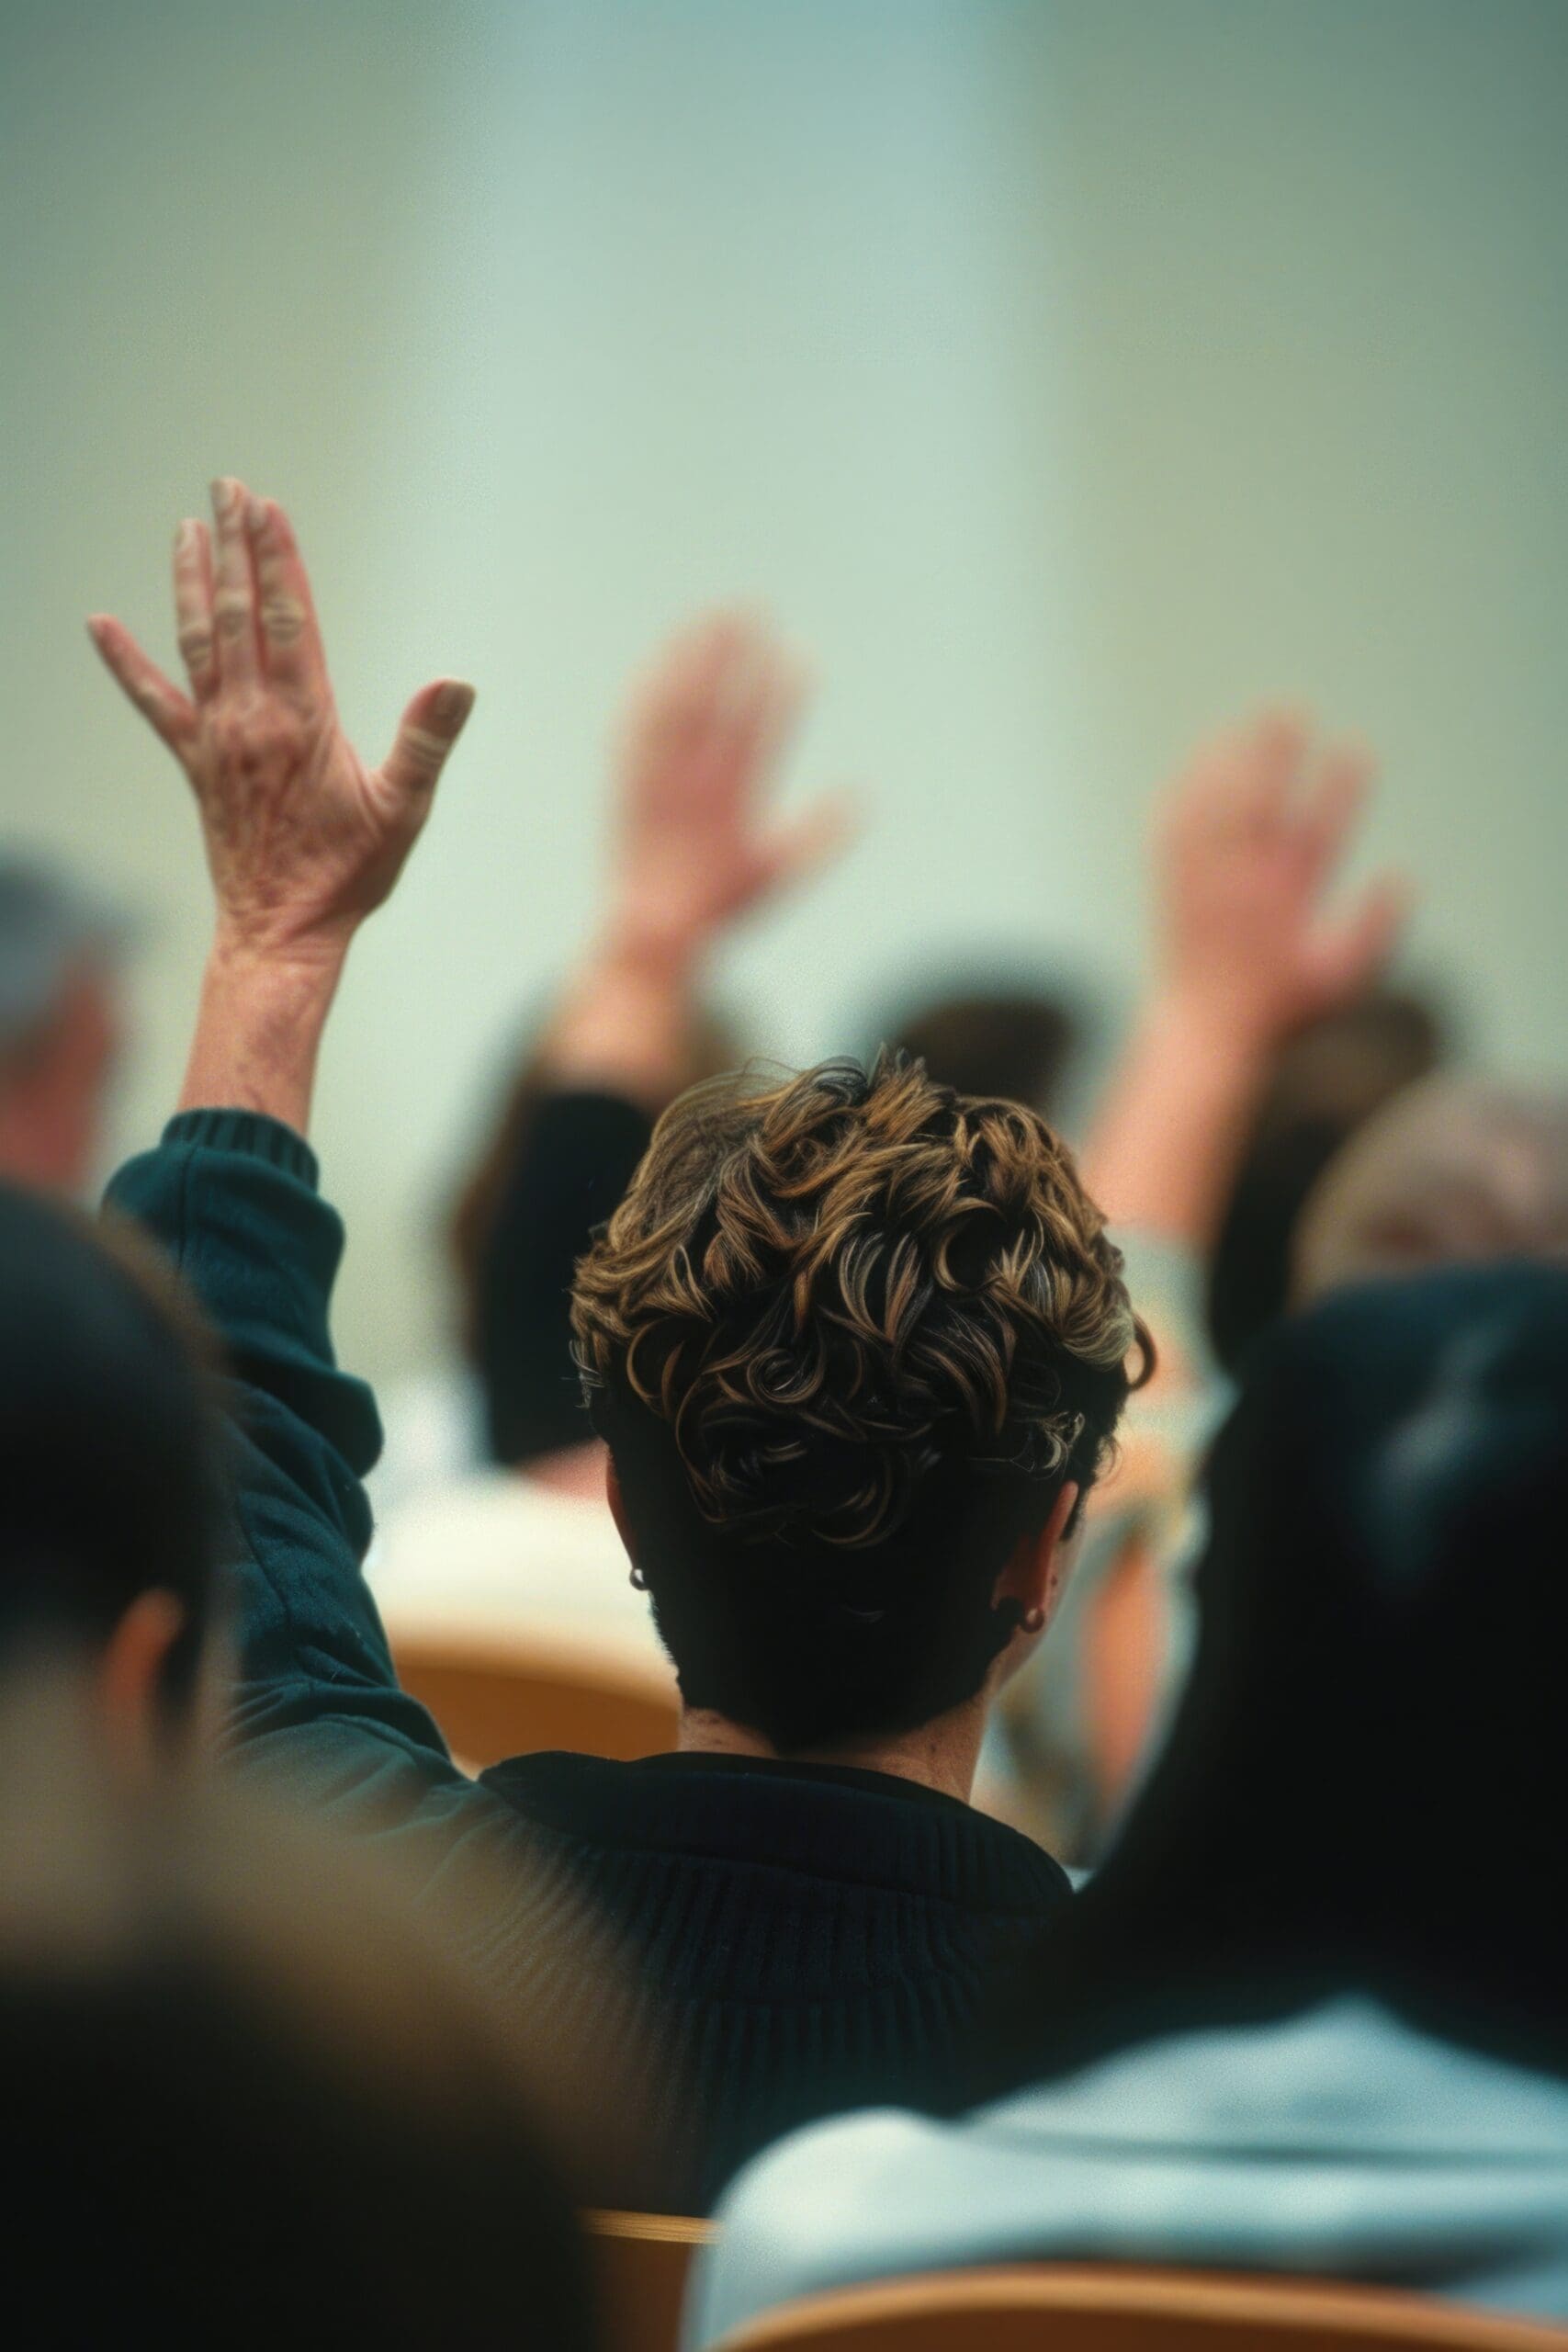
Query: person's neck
x=941 y=1755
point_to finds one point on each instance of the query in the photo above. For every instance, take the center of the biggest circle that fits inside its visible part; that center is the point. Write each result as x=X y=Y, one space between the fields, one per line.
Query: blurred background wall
x=1065 y=373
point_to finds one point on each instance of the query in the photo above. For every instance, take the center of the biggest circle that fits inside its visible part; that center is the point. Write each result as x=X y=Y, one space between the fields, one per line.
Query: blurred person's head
x=1360 y=1790
x=1327 y=1080
x=998 y=1043
x=111 y=1476
x=252 y=2105
x=533 y=1398
x=859 y=1345
x=60 y=1026
x=1459 y=1170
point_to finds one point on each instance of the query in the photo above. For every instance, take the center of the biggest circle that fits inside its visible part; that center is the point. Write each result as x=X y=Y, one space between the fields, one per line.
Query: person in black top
x=858 y=1347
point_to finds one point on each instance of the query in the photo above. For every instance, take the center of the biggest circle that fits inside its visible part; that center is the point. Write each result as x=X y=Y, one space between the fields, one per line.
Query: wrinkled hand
x=1253 y=836
x=704 y=734
x=302 y=838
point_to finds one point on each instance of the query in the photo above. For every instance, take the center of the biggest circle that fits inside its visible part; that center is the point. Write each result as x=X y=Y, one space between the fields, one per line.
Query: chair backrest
x=642 y=2261
x=1081 y=2308
x=502 y=1695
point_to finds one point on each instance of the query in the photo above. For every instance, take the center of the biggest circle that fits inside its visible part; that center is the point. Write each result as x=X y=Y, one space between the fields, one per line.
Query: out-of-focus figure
x=250 y=2102
x=59 y=1025
x=112 y=1471
x=1264 y=1039
x=528 y=1540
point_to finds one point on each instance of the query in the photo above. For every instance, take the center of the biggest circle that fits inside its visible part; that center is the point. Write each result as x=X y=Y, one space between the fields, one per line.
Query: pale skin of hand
x=1247 y=847
x=303 y=837
x=693 y=850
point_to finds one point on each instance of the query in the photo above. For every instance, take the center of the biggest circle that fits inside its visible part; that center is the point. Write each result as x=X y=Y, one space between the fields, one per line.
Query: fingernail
x=255 y=513
x=453 y=703
x=225 y=496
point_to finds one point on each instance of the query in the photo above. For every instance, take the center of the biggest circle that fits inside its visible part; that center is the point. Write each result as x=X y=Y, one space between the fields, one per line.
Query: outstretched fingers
x=163 y=706
x=290 y=639
x=426 y=732
x=193 y=607
x=233 y=593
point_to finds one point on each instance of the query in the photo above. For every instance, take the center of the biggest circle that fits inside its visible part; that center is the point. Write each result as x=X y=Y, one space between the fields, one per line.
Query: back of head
x=1328 y=1079
x=847 y=1335
x=109 y=1448
x=1458 y=1171
x=1359 y=1783
x=249 y=2101
x=59 y=1023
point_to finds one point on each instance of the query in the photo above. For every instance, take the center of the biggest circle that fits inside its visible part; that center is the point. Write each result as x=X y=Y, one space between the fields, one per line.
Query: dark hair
x=847 y=1335
x=254 y=2104
x=997 y=1044
x=1327 y=1080
x=1359 y=1790
x=555 y=1164
x=110 y=1447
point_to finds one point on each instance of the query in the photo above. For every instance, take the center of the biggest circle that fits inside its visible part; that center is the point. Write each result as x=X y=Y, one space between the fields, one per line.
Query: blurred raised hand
x=1248 y=845
x=1250 y=841
x=303 y=837
x=695 y=846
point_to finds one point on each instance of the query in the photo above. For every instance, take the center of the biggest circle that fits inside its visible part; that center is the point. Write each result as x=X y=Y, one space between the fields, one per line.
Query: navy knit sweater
x=786 y=1940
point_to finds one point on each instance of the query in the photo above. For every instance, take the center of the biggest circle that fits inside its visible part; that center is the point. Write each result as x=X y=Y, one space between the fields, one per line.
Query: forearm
x=625 y=1024
x=258 y=1031
x=1165 y=1144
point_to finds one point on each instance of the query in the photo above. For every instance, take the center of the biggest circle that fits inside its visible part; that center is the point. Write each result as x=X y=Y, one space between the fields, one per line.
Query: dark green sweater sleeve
x=231 y=1199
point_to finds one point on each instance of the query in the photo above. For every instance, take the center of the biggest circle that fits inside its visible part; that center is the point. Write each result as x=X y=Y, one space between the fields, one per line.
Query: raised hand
x=303 y=839
x=1252 y=839
x=703 y=732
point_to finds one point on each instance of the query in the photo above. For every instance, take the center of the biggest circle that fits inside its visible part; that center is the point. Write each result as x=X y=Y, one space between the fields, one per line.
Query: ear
x=617 y=1503
x=130 y=1676
x=1035 y=1576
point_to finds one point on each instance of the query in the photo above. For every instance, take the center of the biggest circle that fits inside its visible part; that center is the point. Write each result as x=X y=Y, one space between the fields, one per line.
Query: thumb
x=426 y=732
x=1349 y=958
x=813 y=841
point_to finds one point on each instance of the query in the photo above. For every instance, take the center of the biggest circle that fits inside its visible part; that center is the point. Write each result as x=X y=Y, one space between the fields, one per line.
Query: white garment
x=496 y=1552
x=1339 y=2144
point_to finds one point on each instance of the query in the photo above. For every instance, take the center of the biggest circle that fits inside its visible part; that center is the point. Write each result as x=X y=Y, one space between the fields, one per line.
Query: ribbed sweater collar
x=832 y=1823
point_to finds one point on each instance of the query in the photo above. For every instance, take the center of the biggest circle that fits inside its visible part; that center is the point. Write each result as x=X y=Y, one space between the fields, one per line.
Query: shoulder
x=862 y=2198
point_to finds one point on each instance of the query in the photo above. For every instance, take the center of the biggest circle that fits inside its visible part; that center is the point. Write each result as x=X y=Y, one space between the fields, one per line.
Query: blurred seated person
x=60 y=1026
x=530 y=1542
x=253 y=2101
x=112 y=1470
x=1265 y=1040
x=1458 y=1171
x=1311 y=2015
x=857 y=1346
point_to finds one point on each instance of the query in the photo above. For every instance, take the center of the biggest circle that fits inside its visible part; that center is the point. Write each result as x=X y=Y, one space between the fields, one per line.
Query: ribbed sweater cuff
x=251 y=1133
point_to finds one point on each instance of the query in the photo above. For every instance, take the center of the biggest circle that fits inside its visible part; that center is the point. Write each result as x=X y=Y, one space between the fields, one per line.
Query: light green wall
x=1062 y=374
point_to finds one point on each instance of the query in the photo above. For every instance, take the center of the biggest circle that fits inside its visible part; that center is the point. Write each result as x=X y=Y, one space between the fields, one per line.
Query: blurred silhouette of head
x=1457 y=1171
x=516 y=1301
x=59 y=1025
x=1327 y=1080
x=849 y=1337
x=110 y=1459
x=1362 y=1784
x=999 y=1044
x=252 y=2106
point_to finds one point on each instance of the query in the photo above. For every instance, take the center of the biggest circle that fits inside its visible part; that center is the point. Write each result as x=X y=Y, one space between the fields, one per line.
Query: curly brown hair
x=878 y=1325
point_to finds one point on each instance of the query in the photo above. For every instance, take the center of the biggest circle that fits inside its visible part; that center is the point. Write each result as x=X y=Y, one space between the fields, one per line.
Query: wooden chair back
x=1081 y=2308
x=641 y=2261
x=500 y=1695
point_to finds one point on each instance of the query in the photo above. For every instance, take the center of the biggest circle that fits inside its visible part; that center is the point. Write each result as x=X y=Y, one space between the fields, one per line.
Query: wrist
x=1212 y=1033
x=259 y=1024
x=653 y=954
